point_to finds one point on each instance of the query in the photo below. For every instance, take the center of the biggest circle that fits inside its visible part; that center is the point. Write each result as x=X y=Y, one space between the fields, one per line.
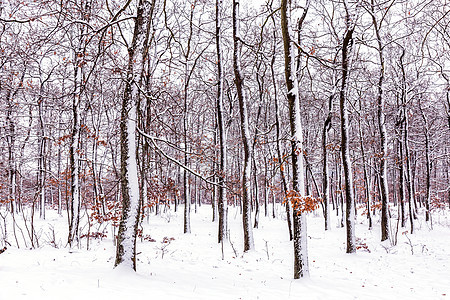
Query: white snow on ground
x=191 y=266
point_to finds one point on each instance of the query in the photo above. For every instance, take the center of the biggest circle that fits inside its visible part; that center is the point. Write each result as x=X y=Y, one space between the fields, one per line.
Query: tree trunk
x=427 y=163
x=382 y=128
x=301 y=267
x=406 y=143
x=253 y=155
x=266 y=189
x=126 y=239
x=367 y=187
x=239 y=81
x=11 y=138
x=278 y=145
x=74 y=151
x=41 y=161
x=348 y=178
x=222 y=196
x=401 y=176
x=325 y=176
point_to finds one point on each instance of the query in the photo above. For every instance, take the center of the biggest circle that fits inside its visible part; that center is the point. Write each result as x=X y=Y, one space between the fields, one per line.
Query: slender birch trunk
x=74 y=150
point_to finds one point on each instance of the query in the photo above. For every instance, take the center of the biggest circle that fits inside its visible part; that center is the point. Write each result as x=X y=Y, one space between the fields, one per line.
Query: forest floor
x=174 y=265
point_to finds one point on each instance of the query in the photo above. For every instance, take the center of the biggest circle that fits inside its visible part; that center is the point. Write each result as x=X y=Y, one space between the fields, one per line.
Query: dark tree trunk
x=278 y=137
x=325 y=176
x=367 y=187
x=406 y=144
x=301 y=267
x=137 y=53
x=382 y=129
x=239 y=81
x=427 y=163
x=348 y=180
x=222 y=196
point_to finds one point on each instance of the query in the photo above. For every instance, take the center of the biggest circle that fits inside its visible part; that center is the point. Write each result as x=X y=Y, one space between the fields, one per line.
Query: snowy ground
x=191 y=266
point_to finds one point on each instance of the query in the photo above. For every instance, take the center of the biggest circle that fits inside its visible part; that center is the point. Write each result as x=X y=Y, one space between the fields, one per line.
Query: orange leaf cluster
x=301 y=203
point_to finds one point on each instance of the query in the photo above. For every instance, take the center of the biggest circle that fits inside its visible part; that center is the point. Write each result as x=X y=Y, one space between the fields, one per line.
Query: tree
x=137 y=53
x=239 y=81
x=222 y=197
x=78 y=67
x=350 y=20
x=301 y=267
x=381 y=122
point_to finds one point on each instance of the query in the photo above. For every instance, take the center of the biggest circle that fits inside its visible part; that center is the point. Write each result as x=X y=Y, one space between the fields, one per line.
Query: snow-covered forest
x=264 y=149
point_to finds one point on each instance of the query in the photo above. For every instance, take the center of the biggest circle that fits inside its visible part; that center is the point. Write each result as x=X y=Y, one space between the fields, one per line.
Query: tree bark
x=222 y=197
x=382 y=129
x=11 y=140
x=245 y=132
x=367 y=187
x=401 y=170
x=406 y=143
x=301 y=267
x=348 y=178
x=427 y=163
x=75 y=204
x=325 y=176
x=137 y=53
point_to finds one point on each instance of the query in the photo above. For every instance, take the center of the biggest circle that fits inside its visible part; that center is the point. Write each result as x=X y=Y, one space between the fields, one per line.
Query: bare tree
x=222 y=195
x=137 y=53
x=350 y=20
x=239 y=81
x=381 y=121
x=301 y=267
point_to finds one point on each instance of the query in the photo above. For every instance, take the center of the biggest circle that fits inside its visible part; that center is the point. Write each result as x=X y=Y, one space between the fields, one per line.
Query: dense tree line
x=120 y=109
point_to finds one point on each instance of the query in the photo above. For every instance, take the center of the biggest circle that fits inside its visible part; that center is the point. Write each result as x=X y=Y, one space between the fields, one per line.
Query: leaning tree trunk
x=346 y=164
x=126 y=239
x=239 y=80
x=301 y=268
